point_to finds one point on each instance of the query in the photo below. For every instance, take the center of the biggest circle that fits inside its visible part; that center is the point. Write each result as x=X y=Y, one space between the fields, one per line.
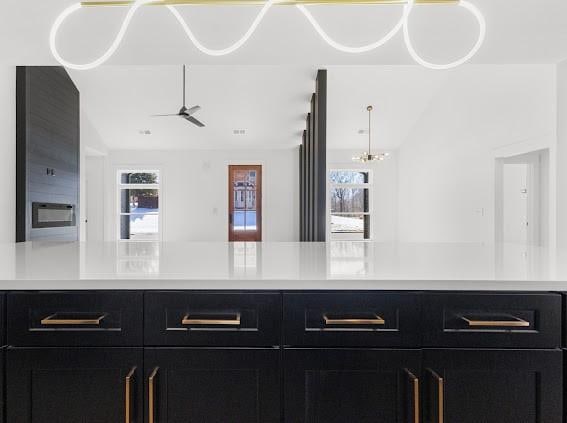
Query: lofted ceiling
x=519 y=31
x=268 y=102
x=264 y=88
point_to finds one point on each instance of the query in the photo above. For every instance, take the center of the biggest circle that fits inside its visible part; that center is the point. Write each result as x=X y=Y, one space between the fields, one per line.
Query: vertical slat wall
x=321 y=169
x=47 y=138
x=313 y=167
x=301 y=183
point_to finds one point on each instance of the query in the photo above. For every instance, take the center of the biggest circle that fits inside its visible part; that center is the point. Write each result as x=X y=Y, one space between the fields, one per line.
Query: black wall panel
x=48 y=148
x=313 y=167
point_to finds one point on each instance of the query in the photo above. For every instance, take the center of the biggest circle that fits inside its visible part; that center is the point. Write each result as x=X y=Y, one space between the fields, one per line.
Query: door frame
x=259 y=200
x=538 y=195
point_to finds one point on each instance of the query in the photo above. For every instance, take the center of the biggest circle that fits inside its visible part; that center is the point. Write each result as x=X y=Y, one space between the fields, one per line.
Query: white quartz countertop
x=280 y=266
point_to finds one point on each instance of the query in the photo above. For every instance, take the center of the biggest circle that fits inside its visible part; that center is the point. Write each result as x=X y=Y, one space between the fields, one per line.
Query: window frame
x=364 y=185
x=120 y=186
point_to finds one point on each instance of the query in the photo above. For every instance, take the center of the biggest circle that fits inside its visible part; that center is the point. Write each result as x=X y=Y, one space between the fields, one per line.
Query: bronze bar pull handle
x=54 y=320
x=188 y=320
x=375 y=320
x=151 y=396
x=415 y=386
x=516 y=323
x=440 y=396
x=128 y=396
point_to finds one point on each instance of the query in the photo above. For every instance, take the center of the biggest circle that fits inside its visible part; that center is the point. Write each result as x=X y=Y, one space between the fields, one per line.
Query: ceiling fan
x=184 y=112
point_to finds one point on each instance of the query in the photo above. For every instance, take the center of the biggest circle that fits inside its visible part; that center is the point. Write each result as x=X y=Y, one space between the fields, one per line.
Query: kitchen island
x=287 y=332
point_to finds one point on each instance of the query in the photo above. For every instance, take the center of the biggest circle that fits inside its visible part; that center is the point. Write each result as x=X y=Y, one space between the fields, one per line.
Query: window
x=138 y=205
x=350 y=204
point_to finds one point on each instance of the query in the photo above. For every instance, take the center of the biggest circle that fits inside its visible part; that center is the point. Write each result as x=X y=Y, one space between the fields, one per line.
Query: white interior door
x=515 y=203
x=95 y=198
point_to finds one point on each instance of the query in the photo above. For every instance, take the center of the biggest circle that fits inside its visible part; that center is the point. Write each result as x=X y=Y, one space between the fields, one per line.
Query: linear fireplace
x=50 y=215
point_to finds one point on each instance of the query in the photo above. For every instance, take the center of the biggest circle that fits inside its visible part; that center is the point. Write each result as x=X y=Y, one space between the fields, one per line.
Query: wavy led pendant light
x=266 y=5
x=367 y=156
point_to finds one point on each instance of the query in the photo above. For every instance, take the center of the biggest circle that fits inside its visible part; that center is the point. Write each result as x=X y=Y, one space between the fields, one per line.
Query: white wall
x=562 y=155
x=384 y=193
x=447 y=163
x=194 y=197
x=92 y=145
x=8 y=152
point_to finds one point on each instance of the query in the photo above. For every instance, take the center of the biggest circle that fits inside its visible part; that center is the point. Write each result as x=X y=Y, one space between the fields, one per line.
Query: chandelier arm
x=481 y=37
x=369 y=131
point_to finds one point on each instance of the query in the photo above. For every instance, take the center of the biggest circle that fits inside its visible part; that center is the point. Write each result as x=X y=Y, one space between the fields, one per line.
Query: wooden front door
x=245 y=203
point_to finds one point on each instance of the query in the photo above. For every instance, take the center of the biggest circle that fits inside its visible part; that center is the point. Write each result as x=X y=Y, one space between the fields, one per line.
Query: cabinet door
x=492 y=386
x=347 y=385
x=86 y=385
x=186 y=385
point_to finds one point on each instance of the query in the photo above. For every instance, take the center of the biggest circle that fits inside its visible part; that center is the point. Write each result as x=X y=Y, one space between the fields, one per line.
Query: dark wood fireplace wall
x=48 y=149
x=313 y=167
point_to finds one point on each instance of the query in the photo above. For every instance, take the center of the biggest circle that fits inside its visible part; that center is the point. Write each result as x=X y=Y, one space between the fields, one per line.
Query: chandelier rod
x=369 y=108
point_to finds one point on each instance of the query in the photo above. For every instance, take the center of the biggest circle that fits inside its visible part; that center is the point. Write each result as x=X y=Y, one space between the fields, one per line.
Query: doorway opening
x=522 y=199
x=245 y=203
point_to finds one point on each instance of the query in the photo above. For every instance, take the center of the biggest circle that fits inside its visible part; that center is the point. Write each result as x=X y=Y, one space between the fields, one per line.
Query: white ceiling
x=399 y=95
x=519 y=31
x=265 y=87
x=269 y=102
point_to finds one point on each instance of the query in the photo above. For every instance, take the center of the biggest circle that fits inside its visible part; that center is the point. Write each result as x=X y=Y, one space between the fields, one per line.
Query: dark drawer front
x=3 y=319
x=212 y=319
x=343 y=319
x=505 y=320
x=75 y=319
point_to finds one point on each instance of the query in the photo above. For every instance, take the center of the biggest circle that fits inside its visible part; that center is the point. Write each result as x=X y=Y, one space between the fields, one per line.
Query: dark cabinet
x=184 y=318
x=75 y=319
x=225 y=357
x=352 y=319
x=86 y=385
x=492 y=386
x=187 y=385
x=350 y=385
x=491 y=320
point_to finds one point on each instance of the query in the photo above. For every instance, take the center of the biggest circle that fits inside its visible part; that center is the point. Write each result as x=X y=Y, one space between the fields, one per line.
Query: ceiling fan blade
x=192 y=110
x=174 y=114
x=195 y=121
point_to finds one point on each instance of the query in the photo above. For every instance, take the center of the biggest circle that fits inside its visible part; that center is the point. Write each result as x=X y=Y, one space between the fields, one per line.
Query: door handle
x=151 y=396
x=128 y=395
x=415 y=395
x=440 y=386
